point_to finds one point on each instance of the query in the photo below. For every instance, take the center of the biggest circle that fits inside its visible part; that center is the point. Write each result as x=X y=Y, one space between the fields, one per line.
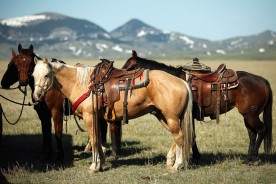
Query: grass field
x=145 y=144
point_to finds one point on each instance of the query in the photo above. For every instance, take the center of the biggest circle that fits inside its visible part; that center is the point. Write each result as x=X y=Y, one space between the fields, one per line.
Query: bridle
x=22 y=58
x=45 y=85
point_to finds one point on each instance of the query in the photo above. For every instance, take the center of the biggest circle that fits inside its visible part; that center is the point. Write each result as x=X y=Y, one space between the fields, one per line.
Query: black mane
x=154 y=65
x=54 y=60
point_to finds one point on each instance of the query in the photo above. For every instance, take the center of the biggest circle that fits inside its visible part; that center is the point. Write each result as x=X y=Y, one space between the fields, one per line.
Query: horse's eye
x=46 y=76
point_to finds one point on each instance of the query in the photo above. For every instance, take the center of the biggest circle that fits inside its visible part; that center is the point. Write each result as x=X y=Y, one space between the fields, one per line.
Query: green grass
x=145 y=144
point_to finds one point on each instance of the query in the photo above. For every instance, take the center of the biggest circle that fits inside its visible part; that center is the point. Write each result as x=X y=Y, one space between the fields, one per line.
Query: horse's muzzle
x=38 y=96
x=23 y=83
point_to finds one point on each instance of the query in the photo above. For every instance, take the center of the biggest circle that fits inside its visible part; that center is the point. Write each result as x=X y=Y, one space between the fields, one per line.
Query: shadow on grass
x=208 y=159
x=24 y=151
x=2 y=178
x=128 y=148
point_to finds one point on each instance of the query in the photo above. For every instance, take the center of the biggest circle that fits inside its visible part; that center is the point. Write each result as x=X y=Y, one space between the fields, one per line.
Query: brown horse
x=252 y=97
x=51 y=106
x=167 y=97
x=20 y=69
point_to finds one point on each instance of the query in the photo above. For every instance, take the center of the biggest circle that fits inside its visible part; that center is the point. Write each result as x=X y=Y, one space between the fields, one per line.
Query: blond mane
x=83 y=73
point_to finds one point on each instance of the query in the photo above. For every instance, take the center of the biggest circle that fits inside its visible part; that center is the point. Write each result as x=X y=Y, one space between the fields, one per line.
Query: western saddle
x=109 y=81
x=208 y=86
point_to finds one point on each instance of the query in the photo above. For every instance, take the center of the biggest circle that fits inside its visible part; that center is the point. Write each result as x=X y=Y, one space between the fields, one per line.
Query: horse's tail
x=267 y=117
x=187 y=126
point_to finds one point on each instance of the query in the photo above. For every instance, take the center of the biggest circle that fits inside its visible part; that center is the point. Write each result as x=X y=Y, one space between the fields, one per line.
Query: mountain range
x=60 y=36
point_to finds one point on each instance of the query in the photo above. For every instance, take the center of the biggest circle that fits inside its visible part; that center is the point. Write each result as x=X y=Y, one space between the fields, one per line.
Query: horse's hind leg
x=196 y=154
x=177 y=146
x=252 y=142
x=116 y=134
x=256 y=132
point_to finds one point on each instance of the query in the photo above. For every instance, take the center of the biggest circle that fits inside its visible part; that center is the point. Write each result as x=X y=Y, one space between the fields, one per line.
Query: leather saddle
x=207 y=87
x=110 y=81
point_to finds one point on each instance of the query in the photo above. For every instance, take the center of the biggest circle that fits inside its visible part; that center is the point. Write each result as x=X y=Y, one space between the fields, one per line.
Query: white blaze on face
x=42 y=78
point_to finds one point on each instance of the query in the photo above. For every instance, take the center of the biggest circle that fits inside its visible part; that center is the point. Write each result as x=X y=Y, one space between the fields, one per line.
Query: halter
x=42 y=86
x=29 y=70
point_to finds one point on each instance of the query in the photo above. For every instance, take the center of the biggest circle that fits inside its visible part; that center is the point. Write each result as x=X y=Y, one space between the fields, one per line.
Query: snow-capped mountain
x=55 y=35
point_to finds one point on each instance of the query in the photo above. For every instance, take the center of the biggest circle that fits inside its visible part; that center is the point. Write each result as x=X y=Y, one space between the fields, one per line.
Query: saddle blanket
x=141 y=81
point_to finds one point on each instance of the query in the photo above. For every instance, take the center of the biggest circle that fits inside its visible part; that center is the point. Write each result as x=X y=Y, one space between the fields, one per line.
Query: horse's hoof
x=59 y=160
x=47 y=158
x=112 y=158
x=171 y=169
x=93 y=171
x=255 y=163
x=90 y=171
x=194 y=161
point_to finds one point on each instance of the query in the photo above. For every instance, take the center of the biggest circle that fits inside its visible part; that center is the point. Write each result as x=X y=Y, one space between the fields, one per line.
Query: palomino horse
x=252 y=97
x=167 y=97
x=20 y=69
x=176 y=71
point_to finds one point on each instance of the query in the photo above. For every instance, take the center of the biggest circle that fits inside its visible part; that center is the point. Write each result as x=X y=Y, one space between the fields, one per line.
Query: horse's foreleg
x=45 y=118
x=58 y=124
x=103 y=127
x=93 y=129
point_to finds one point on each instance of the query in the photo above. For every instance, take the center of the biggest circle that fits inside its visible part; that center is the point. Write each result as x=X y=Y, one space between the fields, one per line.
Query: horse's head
x=131 y=61
x=43 y=78
x=24 y=64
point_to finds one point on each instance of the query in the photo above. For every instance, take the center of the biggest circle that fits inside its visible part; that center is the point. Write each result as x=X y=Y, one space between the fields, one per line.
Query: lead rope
x=22 y=104
x=94 y=130
x=65 y=116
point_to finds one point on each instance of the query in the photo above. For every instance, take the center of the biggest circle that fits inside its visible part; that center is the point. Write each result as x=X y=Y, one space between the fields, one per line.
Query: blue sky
x=209 y=19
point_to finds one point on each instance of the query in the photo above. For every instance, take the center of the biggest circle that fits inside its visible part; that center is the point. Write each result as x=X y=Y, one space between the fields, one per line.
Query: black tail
x=267 y=117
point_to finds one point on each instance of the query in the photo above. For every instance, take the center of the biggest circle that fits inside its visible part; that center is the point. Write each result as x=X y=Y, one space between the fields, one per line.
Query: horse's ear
x=35 y=60
x=134 y=54
x=31 y=48
x=45 y=60
x=20 y=48
x=13 y=54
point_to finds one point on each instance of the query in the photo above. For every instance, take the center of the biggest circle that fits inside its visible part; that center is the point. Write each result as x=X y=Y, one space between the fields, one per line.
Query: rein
x=22 y=104
x=9 y=88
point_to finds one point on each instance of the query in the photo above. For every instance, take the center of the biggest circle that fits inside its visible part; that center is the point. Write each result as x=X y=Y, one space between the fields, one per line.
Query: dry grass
x=145 y=144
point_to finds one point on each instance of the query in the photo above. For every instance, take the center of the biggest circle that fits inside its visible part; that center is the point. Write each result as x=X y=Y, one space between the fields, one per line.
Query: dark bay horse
x=252 y=97
x=20 y=69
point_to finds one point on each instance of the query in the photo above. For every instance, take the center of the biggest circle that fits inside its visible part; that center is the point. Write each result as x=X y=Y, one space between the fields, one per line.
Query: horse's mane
x=154 y=65
x=83 y=71
x=57 y=64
